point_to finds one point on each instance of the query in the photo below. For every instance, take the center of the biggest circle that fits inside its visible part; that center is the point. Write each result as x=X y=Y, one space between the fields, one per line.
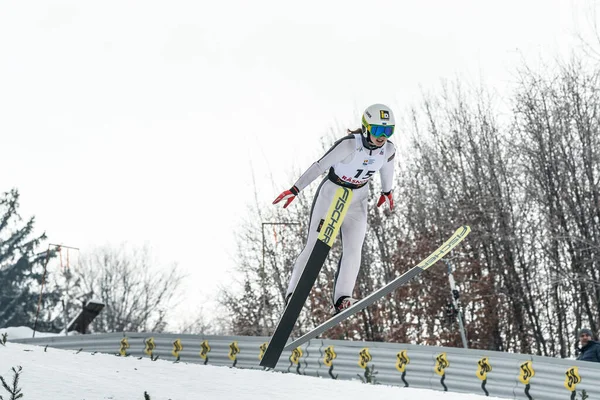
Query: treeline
x=41 y=290
x=526 y=182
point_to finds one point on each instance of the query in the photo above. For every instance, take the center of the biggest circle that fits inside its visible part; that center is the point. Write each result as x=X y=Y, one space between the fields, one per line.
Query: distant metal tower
x=456 y=303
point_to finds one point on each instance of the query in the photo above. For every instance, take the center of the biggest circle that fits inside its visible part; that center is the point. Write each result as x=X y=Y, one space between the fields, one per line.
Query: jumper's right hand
x=288 y=196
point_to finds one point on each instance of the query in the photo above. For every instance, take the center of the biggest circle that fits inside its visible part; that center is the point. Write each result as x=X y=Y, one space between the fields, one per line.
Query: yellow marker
x=177 y=347
x=335 y=215
x=296 y=355
x=263 y=348
x=329 y=356
x=484 y=367
x=150 y=346
x=364 y=357
x=403 y=360
x=124 y=346
x=233 y=351
x=572 y=378
x=204 y=349
x=527 y=372
x=441 y=363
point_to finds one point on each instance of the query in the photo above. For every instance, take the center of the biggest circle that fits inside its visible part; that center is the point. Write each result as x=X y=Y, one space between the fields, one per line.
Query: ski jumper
x=351 y=165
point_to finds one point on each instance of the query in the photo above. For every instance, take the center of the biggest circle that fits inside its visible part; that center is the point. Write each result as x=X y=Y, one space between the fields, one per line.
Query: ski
x=327 y=234
x=440 y=252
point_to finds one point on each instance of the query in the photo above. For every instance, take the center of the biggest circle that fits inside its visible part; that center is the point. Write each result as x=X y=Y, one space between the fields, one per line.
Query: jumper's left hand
x=386 y=198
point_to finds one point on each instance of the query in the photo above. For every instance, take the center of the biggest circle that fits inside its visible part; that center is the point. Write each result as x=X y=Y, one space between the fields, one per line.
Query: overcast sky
x=142 y=121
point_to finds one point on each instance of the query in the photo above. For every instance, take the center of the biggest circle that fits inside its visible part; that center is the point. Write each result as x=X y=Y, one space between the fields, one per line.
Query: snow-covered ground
x=23 y=332
x=50 y=373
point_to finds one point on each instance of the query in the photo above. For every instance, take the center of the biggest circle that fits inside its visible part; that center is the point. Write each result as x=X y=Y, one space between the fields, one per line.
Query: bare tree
x=557 y=124
x=268 y=242
x=138 y=293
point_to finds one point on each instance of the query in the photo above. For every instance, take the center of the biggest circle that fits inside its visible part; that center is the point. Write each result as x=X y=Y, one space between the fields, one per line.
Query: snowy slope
x=50 y=373
x=23 y=332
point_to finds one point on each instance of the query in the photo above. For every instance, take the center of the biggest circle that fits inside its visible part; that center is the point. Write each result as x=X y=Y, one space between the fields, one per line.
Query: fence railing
x=490 y=373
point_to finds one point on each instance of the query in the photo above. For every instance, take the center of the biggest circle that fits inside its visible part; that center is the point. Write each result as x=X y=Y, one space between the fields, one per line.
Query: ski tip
x=463 y=230
x=268 y=365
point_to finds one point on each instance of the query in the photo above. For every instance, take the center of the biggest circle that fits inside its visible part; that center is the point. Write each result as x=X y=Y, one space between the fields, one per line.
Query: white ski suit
x=352 y=165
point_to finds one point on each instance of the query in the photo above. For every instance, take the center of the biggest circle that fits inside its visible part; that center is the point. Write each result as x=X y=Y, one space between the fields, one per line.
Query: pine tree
x=21 y=269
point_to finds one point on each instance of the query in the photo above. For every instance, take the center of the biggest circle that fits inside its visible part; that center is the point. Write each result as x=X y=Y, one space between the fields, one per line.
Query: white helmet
x=377 y=120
